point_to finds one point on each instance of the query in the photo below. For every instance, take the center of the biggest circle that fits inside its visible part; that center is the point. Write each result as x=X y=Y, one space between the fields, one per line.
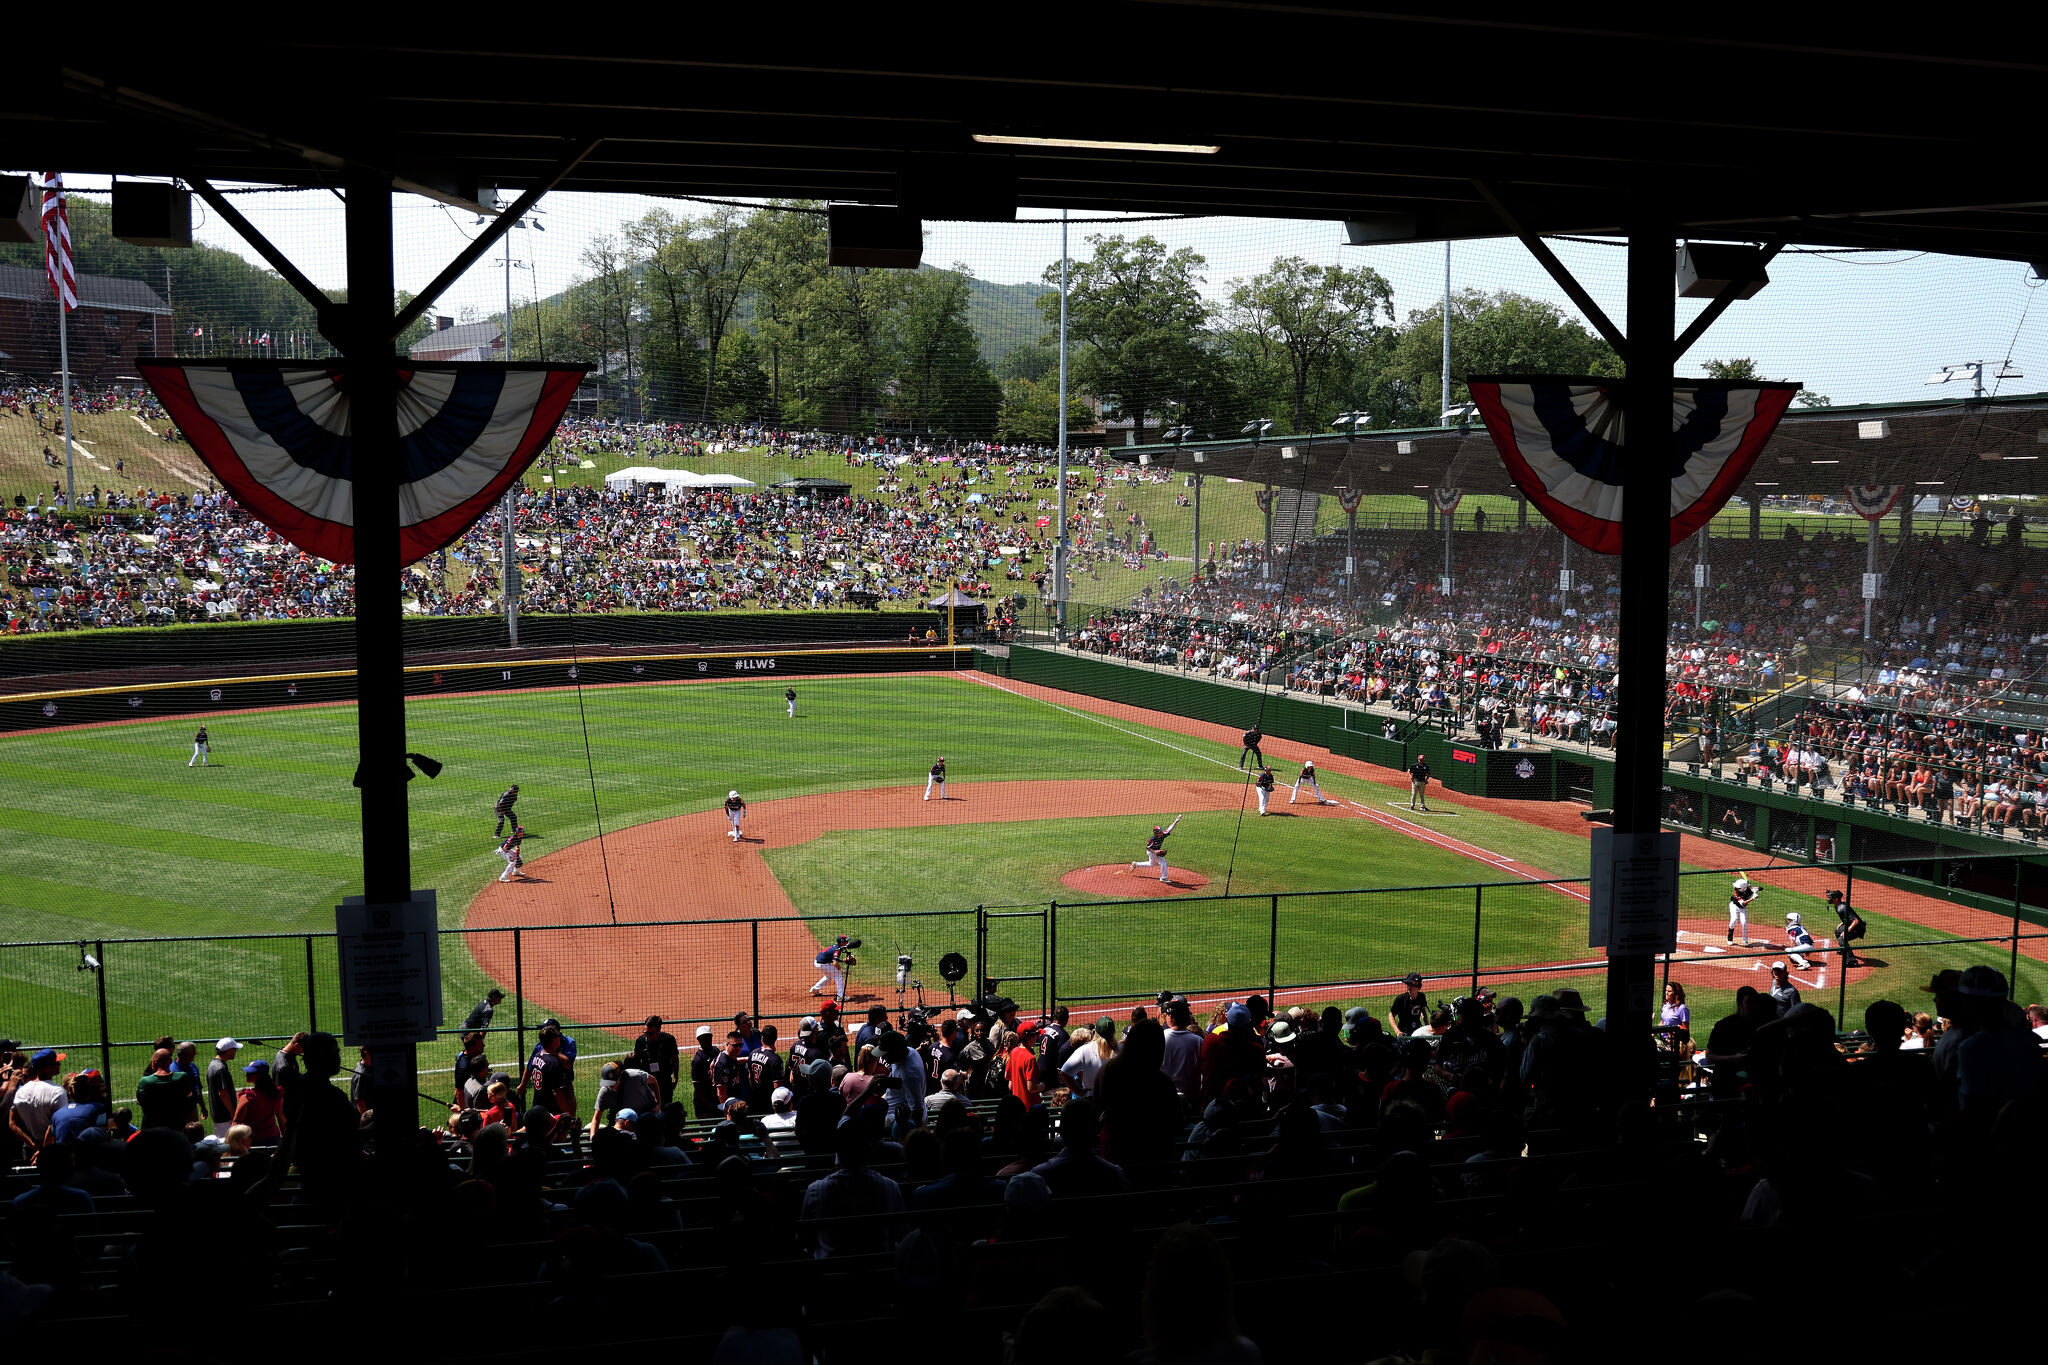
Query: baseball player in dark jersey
x=508 y=849
x=1155 y=849
x=1418 y=783
x=789 y=695
x=936 y=778
x=504 y=809
x=201 y=747
x=735 y=811
x=1264 y=783
x=1252 y=739
x=1307 y=779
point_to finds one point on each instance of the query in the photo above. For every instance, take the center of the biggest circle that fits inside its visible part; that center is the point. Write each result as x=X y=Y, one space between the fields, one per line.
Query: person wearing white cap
x=735 y=810
x=1801 y=941
x=703 y=1089
x=221 y=1088
x=1739 y=897
x=781 y=1117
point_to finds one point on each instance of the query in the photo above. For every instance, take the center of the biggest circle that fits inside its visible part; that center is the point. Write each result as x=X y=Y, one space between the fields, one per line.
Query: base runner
x=936 y=778
x=735 y=811
x=1307 y=779
x=1155 y=849
x=515 y=864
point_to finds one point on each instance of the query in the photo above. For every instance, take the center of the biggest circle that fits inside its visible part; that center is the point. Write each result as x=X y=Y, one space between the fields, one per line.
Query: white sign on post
x=390 y=957
x=1873 y=584
x=1635 y=893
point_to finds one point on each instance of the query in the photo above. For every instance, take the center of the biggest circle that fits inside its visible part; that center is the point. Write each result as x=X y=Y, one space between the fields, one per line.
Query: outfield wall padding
x=198 y=699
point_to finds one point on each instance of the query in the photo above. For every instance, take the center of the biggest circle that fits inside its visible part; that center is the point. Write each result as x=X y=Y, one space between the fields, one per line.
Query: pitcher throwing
x=1155 y=849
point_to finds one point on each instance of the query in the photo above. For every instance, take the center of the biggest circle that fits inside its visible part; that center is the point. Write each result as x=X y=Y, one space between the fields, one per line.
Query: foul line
x=1500 y=861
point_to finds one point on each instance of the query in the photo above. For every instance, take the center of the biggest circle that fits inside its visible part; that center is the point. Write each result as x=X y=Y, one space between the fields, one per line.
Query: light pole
x=1348 y=498
x=1059 y=544
x=508 y=546
x=1257 y=429
x=1179 y=436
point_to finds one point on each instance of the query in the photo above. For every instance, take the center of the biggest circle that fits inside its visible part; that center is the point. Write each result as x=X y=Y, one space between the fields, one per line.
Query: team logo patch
x=1563 y=444
x=49 y=708
x=213 y=695
x=1525 y=770
x=277 y=434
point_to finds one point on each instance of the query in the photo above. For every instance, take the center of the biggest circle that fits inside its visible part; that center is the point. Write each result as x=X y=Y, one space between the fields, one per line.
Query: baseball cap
x=703 y=1030
x=629 y=1116
x=494 y=994
x=783 y=1095
x=734 y=792
x=829 y=1007
x=608 y=1072
x=258 y=1065
x=1778 y=967
x=209 y=1143
x=806 y=1022
x=47 y=1055
x=1357 y=1014
x=816 y=1067
x=227 y=1045
x=1105 y=1025
x=1412 y=979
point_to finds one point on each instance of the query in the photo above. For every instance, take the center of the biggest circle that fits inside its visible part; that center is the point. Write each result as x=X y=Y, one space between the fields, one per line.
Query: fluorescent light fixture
x=1873 y=431
x=1762 y=484
x=1090 y=144
x=1423 y=486
x=1990 y=455
x=1929 y=483
x=1408 y=447
x=1824 y=462
x=1290 y=452
x=2019 y=457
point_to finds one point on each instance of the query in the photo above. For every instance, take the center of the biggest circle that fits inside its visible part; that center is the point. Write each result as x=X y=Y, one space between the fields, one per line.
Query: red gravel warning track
x=1117 y=881
x=688 y=868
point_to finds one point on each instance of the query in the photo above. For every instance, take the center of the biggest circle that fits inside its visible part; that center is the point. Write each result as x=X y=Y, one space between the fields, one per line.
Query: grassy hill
x=102 y=441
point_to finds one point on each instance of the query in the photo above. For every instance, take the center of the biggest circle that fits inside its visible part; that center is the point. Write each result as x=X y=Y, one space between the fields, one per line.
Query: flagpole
x=64 y=371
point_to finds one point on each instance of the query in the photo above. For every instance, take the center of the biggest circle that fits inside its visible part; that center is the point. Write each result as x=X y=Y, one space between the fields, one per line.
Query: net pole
x=64 y=378
x=508 y=552
x=1059 y=552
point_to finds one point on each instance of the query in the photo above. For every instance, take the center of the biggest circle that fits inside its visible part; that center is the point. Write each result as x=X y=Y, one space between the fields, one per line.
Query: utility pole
x=1059 y=550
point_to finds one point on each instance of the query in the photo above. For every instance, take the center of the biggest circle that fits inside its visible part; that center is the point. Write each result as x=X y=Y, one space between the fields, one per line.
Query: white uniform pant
x=1738 y=915
x=199 y=752
x=733 y=818
x=792 y=708
x=1310 y=783
x=1263 y=796
x=1152 y=859
x=834 y=976
x=930 y=782
x=511 y=864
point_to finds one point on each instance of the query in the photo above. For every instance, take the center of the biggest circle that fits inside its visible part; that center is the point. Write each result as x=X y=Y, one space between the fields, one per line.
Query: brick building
x=115 y=321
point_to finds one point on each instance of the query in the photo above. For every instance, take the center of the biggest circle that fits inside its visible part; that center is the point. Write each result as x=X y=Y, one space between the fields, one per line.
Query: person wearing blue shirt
x=568 y=1052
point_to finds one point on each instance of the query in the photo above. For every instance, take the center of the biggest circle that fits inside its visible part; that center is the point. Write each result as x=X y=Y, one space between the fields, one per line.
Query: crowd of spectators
x=1439 y=1131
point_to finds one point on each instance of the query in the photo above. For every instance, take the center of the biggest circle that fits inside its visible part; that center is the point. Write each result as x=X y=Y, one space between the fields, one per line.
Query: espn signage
x=1463 y=756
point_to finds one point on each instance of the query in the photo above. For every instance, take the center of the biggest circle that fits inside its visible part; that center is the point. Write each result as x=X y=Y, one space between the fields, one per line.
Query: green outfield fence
x=101 y=1000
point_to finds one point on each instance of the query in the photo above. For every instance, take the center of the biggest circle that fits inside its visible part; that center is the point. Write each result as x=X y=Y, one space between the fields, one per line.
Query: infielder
x=1155 y=849
x=509 y=850
x=1799 y=941
x=1739 y=897
x=1307 y=779
x=504 y=809
x=201 y=747
x=1265 y=784
x=789 y=695
x=833 y=974
x=936 y=778
x=735 y=810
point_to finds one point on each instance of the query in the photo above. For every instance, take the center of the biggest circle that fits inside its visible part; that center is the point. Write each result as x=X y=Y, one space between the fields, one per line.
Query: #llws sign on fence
x=1563 y=443
x=276 y=433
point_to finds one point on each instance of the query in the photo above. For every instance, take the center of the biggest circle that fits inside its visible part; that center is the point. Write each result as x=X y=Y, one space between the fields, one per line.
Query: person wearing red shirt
x=1021 y=1067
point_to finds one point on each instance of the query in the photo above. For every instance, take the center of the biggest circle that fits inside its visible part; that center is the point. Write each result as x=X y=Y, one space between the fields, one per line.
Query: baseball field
x=116 y=836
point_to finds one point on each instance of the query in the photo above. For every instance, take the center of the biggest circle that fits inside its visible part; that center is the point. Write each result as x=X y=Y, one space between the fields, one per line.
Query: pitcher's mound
x=1103 y=880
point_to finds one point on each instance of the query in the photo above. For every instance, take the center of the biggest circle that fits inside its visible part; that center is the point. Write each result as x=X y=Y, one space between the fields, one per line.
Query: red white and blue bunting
x=1562 y=441
x=276 y=433
x=1348 y=499
x=1873 y=500
x=1446 y=500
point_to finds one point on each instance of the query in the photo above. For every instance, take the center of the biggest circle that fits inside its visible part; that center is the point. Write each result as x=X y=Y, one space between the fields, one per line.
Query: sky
x=1857 y=327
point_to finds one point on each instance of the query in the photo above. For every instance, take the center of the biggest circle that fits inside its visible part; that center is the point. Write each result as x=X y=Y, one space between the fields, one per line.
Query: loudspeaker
x=873 y=235
x=19 y=210
x=150 y=213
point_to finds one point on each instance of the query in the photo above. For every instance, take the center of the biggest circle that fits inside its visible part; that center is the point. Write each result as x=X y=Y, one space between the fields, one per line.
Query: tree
x=1030 y=411
x=718 y=255
x=1031 y=362
x=1136 y=317
x=742 y=386
x=659 y=242
x=1503 y=333
x=850 y=347
x=1310 y=319
x=609 y=307
x=786 y=281
x=1743 y=368
x=942 y=385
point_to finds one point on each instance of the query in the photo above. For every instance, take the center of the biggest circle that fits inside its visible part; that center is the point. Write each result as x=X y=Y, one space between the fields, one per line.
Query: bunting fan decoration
x=1562 y=441
x=1446 y=500
x=1873 y=500
x=276 y=433
x=1348 y=499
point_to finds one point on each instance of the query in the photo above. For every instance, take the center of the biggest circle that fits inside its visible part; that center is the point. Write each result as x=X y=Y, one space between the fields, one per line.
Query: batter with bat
x=1155 y=849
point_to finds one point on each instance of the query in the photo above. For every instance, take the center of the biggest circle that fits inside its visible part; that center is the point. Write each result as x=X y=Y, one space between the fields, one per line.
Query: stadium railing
x=111 y=998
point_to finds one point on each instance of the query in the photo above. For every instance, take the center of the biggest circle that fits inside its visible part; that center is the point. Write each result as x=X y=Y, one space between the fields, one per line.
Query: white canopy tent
x=672 y=481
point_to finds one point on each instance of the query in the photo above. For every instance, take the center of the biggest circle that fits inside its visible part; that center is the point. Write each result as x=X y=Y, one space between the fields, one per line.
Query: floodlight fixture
x=1354 y=420
x=1459 y=412
x=1257 y=428
x=1093 y=144
x=1178 y=435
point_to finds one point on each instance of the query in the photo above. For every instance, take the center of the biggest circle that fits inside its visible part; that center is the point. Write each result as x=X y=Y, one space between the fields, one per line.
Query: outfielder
x=834 y=975
x=1799 y=941
x=1155 y=849
x=508 y=849
x=504 y=809
x=201 y=747
x=1739 y=897
x=936 y=777
x=1307 y=779
x=735 y=810
x=789 y=695
x=1265 y=784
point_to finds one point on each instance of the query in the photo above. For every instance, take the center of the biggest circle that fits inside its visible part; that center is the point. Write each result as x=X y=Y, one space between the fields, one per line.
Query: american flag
x=57 y=241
